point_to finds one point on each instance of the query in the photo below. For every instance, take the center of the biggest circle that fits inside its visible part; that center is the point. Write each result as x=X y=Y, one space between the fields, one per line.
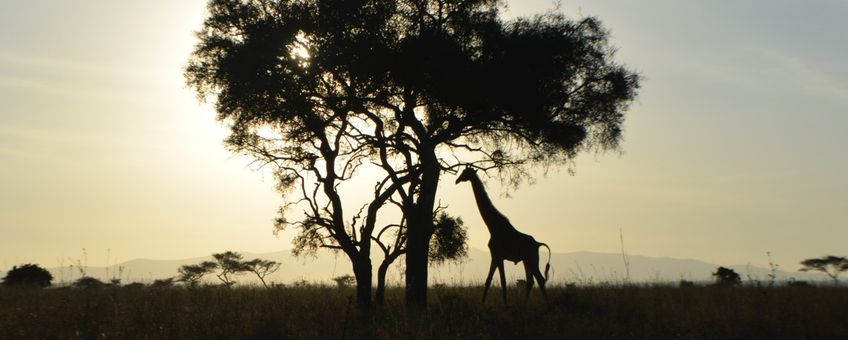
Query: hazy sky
x=736 y=145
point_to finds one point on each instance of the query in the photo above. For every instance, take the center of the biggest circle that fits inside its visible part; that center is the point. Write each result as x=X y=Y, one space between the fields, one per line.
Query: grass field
x=627 y=312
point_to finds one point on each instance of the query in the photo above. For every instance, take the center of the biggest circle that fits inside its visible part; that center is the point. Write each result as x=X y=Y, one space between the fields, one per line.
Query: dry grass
x=595 y=312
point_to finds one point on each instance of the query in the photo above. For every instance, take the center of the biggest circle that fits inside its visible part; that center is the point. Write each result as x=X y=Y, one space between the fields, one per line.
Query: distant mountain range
x=575 y=267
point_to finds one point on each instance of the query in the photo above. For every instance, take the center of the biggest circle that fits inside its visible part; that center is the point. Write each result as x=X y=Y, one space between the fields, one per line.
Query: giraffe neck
x=495 y=221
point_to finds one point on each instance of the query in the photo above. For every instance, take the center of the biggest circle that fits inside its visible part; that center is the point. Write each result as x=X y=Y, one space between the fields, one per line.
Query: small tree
x=191 y=274
x=448 y=242
x=27 y=275
x=261 y=268
x=727 y=277
x=345 y=281
x=230 y=264
x=830 y=265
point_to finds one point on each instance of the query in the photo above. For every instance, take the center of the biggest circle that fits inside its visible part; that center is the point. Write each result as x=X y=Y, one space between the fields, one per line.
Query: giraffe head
x=466 y=174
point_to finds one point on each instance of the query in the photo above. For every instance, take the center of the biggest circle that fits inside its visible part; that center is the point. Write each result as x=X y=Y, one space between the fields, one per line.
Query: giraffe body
x=506 y=242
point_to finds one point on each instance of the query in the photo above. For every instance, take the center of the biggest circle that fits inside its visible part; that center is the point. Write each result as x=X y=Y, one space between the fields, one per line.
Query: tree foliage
x=27 y=275
x=261 y=268
x=448 y=242
x=191 y=274
x=229 y=263
x=344 y=281
x=727 y=277
x=830 y=265
x=317 y=88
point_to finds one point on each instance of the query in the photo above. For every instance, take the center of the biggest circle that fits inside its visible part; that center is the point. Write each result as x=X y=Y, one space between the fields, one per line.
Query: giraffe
x=505 y=242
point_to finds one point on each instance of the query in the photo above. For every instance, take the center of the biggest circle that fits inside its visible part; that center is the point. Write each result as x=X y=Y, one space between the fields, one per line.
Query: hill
x=575 y=267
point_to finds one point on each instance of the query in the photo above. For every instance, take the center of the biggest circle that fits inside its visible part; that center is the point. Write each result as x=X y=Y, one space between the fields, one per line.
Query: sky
x=735 y=146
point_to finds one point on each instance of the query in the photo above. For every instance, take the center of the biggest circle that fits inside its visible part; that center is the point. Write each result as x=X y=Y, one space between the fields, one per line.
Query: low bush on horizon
x=325 y=312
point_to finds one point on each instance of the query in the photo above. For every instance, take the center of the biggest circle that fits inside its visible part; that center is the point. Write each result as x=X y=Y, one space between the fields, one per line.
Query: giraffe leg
x=489 y=279
x=531 y=265
x=503 y=280
x=540 y=278
x=528 y=271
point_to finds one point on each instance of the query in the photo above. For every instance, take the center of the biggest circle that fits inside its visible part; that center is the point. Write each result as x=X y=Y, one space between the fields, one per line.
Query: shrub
x=27 y=275
x=163 y=283
x=88 y=282
x=345 y=281
x=727 y=277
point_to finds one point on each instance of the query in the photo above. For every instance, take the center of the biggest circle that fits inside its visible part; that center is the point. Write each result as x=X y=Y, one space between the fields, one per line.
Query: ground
x=591 y=312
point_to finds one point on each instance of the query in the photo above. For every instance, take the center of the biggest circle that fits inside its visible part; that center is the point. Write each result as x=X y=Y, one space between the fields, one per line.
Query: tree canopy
x=830 y=265
x=261 y=268
x=416 y=88
x=191 y=274
x=448 y=242
x=727 y=277
x=27 y=275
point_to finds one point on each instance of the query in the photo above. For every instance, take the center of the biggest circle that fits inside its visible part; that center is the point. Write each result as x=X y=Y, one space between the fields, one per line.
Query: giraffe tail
x=547 y=266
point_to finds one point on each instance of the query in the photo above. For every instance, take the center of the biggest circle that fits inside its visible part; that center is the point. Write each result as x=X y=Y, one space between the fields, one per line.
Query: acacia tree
x=830 y=265
x=191 y=274
x=229 y=262
x=261 y=268
x=417 y=88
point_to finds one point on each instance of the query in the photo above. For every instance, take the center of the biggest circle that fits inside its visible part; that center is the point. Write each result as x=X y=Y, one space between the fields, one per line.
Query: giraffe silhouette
x=505 y=242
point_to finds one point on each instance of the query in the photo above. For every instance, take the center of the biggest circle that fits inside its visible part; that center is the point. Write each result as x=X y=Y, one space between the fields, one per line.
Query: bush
x=88 y=282
x=727 y=277
x=27 y=275
x=345 y=281
x=163 y=283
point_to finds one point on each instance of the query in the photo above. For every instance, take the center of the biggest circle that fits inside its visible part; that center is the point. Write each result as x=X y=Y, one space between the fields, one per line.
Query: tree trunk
x=380 y=294
x=362 y=272
x=416 y=264
x=420 y=229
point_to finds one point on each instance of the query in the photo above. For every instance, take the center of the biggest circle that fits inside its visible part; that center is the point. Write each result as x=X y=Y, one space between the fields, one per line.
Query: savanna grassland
x=592 y=312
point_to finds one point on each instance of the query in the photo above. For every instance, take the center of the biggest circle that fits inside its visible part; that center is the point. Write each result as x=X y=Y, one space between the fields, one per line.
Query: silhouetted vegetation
x=344 y=281
x=830 y=265
x=316 y=312
x=261 y=268
x=727 y=277
x=317 y=88
x=88 y=282
x=448 y=242
x=163 y=283
x=229 y=263
x=27 y=276
x=191 y=274
x=135 y=285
